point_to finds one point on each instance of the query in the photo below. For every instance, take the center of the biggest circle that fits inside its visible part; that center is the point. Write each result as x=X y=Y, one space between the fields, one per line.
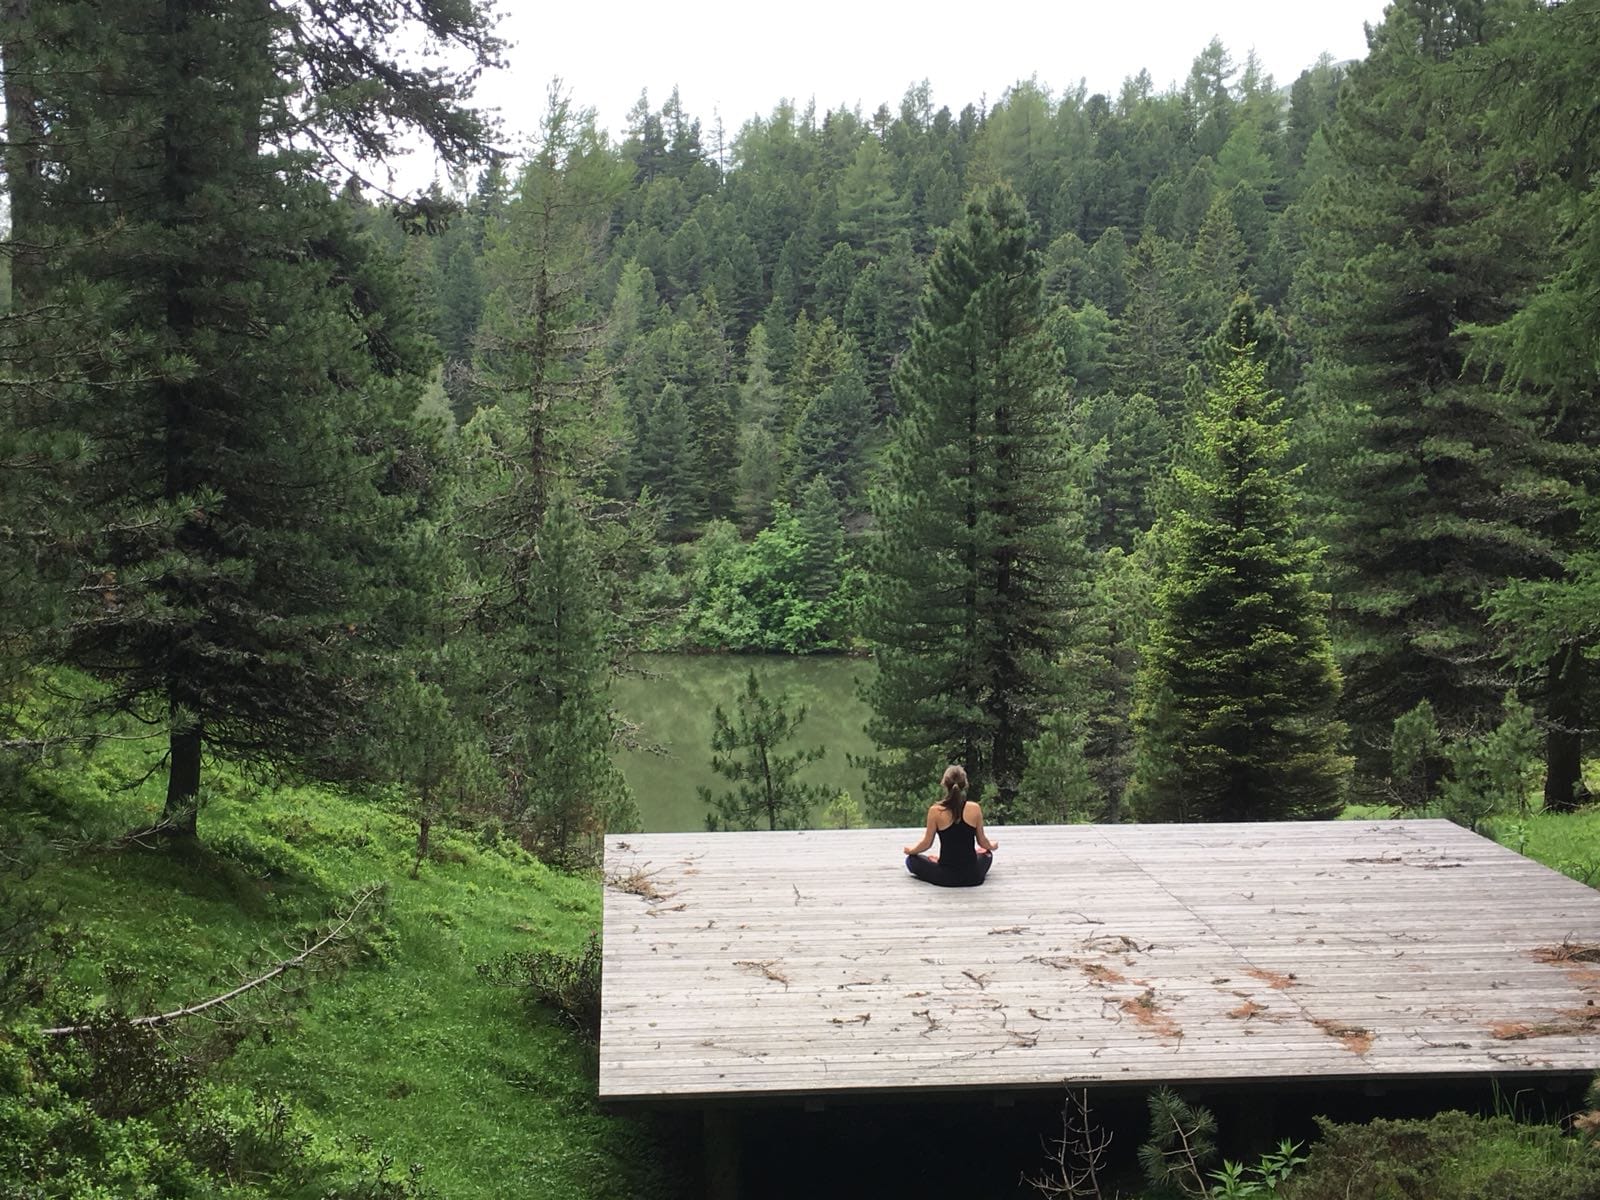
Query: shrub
x=568 y=984
x=1453 y=1156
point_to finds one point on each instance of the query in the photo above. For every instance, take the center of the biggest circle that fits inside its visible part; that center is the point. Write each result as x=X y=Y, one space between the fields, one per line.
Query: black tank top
x=958 y=845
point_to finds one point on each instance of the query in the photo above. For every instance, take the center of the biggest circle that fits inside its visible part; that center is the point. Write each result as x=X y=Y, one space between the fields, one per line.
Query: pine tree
x=835 y=278
x=540 y=347
x=821 y=533
x=1547 y=626
x=975 y=571
x=1435 y=481
x=1234 y=716
x=1216 y=265
x=1136 y=448
x=238 y=353
x=664 y=462
x=711 y=399
x=829 y=440
x=553 y=728
x=766 y=791
x=757 y=480
x=870 y=214
x=1152 y=331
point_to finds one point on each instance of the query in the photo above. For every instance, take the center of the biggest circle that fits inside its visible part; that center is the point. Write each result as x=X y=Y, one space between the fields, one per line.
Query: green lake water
x=673 y=700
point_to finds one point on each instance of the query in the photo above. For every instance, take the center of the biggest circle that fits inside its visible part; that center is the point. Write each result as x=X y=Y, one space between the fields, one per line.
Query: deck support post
x=1248 y=1119
x=720 y=1152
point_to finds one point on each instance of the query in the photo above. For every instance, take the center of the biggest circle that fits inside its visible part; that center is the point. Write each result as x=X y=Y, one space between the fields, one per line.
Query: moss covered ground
x=407 y=1047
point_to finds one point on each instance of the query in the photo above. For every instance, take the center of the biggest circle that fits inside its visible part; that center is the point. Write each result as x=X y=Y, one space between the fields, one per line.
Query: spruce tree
x=1548 y=627
x=1152 y=331
x=829 y=438
x=553 y=727
x=1234 y=715
x=229 y=343
x=664 y=462
x=1436 y=482
x=539 y=347
x=978 y=555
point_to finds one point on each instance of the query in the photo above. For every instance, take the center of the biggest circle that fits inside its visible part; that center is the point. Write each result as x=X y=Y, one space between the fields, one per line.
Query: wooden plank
x=811 y=962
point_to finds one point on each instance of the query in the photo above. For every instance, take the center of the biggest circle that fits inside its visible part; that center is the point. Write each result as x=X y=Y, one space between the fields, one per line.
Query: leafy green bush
x=1241 y=1181
x=1453 y=1156
x=785 y=592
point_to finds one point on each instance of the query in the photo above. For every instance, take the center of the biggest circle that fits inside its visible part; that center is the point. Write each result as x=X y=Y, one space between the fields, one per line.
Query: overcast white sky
x=741 y=58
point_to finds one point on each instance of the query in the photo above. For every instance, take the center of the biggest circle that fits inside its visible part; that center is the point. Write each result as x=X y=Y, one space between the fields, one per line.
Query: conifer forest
x=1220 y=451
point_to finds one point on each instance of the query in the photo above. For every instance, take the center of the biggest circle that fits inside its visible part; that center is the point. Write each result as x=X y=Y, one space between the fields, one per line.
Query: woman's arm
x=927 y=837
x=984 y=839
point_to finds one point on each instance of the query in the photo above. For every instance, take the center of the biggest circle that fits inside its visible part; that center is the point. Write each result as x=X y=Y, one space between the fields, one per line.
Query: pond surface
x=673 y=701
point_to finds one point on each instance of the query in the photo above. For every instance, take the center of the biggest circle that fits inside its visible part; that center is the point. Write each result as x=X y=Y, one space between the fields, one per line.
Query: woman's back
x=958 y=849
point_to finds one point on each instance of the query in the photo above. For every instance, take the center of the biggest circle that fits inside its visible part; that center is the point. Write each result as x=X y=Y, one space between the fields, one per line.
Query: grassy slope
x=409 y=1047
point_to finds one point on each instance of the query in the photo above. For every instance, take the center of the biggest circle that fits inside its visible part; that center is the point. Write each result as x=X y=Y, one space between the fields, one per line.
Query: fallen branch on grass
x=193 y=1010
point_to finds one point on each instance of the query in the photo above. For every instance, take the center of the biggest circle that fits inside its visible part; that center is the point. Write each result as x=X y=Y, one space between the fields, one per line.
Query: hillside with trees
x=1213 y=452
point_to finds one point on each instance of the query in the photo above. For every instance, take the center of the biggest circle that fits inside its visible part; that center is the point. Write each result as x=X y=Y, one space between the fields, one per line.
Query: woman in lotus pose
x=959 y=824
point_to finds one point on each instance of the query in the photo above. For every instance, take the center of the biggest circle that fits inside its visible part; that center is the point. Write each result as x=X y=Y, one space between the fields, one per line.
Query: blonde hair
x=954 y=783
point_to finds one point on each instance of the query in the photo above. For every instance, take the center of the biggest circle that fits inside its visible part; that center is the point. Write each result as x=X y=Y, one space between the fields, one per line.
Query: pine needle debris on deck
x=804 y=964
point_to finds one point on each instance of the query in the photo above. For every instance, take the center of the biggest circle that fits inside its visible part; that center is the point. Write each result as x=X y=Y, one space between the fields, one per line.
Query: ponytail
x=954 y=783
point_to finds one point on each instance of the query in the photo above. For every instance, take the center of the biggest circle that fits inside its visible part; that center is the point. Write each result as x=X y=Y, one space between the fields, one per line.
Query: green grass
x=408 y=1047
x=1569 y=842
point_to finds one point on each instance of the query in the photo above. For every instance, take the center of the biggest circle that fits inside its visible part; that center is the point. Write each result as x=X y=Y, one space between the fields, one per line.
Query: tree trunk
x=424 y=824
x=183 y=781
x=1563 y=741
x=182 y=813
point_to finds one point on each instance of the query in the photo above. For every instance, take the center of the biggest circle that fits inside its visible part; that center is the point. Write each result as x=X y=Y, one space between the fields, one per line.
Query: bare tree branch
x=288 y=964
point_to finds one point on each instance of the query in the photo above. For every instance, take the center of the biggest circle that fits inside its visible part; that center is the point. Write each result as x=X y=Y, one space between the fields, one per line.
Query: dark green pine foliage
x=554 y=725
x=229 y=345
x=1234 y=712
x=1434 y=479
x=1246 y=325
x=830 y=437
x=1134 y=449
x=1550 y=627
x=1152 y=332
x=711 y=404
x=821 y=534
x=540 y=363
x=835 y=277
x=976 y=571
x=748 y=750
x=664 y=462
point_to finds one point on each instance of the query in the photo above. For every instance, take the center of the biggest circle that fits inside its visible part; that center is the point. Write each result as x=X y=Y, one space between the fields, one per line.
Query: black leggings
x=929 y=871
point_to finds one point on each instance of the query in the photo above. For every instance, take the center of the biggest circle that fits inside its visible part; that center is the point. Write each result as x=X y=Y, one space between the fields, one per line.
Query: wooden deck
x=811 y=964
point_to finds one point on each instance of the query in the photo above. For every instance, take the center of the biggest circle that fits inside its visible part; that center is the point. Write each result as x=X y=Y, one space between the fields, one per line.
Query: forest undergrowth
x=404 y=1054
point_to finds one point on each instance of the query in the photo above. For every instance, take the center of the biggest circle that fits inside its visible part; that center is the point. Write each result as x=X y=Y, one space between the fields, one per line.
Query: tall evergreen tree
x=1552 y=343
x=1434 y=478
x=829 y=439
x=1152 y=331
x=540 y=347
x=226 y=339
x=1235 y=716
x=977 y=564
x=553 y=729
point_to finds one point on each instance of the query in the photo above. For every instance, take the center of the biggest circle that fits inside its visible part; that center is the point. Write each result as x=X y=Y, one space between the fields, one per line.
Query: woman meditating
x=959 y=824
